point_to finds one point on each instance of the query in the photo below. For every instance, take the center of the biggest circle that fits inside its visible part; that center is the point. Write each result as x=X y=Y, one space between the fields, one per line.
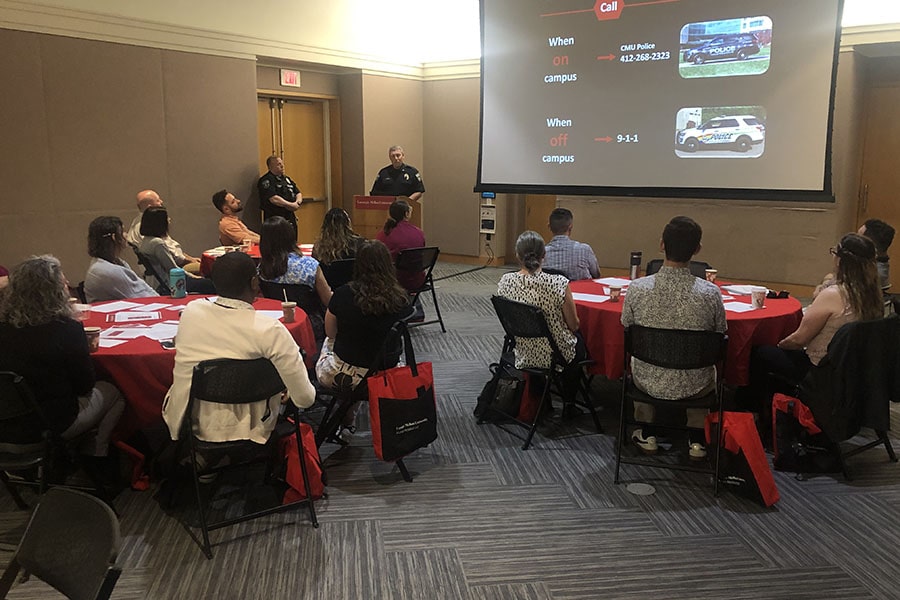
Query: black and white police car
x=739 y=132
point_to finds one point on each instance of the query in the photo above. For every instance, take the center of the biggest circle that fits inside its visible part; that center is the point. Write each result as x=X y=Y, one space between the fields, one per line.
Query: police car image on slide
x=740 y=132
x=740 y=46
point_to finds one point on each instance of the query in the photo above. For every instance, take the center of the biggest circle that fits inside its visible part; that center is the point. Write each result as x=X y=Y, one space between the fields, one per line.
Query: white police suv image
x=738 y=132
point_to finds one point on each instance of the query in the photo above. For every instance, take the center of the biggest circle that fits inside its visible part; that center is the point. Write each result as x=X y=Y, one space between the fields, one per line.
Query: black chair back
x=554 y=272
x=675 y=348
x=306 y=298
x=414 y=267
x=698 y=268
x=162 y=281
x=521 y=320
x=72 y=543
x=16 y=397
x=230 y=381
x=339 y=272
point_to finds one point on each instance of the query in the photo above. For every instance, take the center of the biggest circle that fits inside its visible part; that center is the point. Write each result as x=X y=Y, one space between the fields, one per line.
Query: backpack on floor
x=799 y=444
x=502 y=394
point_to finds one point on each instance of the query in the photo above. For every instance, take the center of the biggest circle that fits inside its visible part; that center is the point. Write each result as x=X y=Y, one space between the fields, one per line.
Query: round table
x=142 y=368
x=209 y=256
x=601 y=325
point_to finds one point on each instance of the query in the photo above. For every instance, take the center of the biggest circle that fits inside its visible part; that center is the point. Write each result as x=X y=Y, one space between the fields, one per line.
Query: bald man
x=147 y=199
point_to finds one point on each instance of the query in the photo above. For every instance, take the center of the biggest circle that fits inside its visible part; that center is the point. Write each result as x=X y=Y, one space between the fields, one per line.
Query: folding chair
x=306 y=298
x=854 y=383
x=72 y=543
x=671 y=349
x=17 y=403
x=232 y=382
x=339 y=272
x=162 y=281
x=525 y=321
x=344 y=397
x=698 y=268
x=415 y=265
x=553 y=271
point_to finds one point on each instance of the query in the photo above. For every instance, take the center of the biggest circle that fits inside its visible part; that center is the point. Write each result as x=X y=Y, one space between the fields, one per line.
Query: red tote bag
x=402 y=409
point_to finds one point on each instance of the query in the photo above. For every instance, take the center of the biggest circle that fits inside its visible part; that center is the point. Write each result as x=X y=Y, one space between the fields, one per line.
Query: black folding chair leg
x=887 y=445
x=540 y=410
x=205 y=546
x=13 y=492
x=305 y=474
x=404 y=471
x=437 y=309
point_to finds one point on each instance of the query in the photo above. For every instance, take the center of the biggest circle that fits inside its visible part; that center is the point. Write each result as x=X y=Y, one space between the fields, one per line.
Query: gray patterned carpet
x=484 y=520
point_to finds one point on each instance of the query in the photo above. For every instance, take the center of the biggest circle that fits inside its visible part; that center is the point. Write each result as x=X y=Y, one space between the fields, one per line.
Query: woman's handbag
x=402 y=409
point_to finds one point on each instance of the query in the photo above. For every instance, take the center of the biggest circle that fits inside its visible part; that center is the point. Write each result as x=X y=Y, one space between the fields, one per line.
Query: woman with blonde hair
x=40 y=341
x=337 y=240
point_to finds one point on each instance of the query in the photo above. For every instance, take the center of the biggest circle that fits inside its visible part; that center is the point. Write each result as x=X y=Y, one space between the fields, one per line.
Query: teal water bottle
x=178 y=283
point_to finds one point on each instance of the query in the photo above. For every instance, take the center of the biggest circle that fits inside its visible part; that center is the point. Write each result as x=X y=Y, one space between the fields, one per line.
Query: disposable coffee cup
x=615 y=291
x=306 y=249
x=245 y=245
x=93 y=338
x=711 y=275
x=758 y=296
x=288 y=309
x=81 y=312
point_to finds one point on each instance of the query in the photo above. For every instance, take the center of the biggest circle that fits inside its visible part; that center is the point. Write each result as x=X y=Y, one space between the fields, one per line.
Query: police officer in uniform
x=279 y=196
x=398 y=179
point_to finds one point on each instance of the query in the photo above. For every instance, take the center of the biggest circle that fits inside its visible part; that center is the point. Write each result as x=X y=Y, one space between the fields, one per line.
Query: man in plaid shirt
x=573 y=259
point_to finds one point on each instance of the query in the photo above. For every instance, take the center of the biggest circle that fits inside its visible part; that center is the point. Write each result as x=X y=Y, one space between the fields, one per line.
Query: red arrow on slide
x=607 y=57
x=606 y=139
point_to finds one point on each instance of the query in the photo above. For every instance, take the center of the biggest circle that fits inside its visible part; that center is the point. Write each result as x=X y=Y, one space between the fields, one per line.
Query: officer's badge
x=406 y=176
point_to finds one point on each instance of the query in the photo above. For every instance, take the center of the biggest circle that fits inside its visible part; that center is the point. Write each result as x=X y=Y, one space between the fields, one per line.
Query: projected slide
x=656 y=96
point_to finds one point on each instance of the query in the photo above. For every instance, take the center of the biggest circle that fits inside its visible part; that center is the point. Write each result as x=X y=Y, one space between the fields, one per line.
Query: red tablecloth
x=209 y=257
x=142 y=369
x=604 y=335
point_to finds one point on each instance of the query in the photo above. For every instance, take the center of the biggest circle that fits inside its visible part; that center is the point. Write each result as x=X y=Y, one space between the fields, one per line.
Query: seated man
x=231 y=328
x=232 y=231
x=882 y=235
x=673 y=298
x=150 y=199
x=573 y=259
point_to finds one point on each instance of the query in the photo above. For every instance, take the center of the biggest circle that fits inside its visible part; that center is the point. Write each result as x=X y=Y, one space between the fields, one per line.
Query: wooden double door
x=297 y=130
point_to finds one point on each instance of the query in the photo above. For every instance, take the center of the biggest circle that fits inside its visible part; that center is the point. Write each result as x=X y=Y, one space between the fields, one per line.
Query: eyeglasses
x=834 y=250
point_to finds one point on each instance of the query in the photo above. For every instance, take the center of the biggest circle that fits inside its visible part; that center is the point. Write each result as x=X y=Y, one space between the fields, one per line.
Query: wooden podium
x=370 y=213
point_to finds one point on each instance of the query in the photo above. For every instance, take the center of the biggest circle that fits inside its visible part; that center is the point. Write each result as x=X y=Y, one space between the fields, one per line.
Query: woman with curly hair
x=337 y=240
x=41 y=341
x=357 y=321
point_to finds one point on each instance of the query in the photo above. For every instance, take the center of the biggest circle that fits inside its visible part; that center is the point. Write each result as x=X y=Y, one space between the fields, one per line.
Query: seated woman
x=155 y=230
x=399 y=234
x=337 y=240
x=282 y=262
x=108 y=276
x=856 y=295
x=551 y=294
x=357 y=322
x=41 y=341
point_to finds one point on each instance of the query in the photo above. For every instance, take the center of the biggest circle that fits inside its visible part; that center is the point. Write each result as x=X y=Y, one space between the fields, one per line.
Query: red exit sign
x=290 y=78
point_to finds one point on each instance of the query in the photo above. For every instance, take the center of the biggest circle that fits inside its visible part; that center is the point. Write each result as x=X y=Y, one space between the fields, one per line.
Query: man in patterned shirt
x=573 y=259
x=673 y=298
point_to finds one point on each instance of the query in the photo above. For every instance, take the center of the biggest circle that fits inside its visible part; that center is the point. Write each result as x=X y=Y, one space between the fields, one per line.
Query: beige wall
x=392 y=115
x=91 y=123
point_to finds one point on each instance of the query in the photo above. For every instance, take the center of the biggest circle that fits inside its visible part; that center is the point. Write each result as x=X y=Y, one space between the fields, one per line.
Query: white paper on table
x=110 y=343
x=123 y=333
x=738 y=307
x=114 y=306
x=131 y=316
x=272 y=314
x=613 y=281
x=177 y=308
x=155 y=306
x=727 y=297
x=161 y=331
x=740 y=290
x=589 y=297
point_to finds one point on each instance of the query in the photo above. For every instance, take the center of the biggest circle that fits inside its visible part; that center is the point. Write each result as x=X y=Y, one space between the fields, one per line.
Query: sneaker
x=647 y=444
x=697 y=451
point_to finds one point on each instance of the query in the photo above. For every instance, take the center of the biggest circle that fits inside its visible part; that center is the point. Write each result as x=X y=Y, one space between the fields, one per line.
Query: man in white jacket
x=231 y=328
